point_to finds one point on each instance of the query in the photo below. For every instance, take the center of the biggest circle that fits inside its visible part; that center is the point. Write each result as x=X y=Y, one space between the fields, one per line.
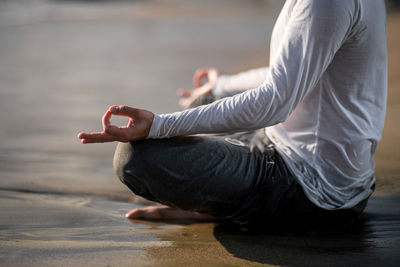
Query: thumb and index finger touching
x=198 y=77
x=110 y=132
x=210 y=74
x=117 y=131
x=202 y=85
x=119 y=111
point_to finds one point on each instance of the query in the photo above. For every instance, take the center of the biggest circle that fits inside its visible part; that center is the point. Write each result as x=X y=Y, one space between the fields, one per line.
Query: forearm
x=250 y=110
x=229 y=85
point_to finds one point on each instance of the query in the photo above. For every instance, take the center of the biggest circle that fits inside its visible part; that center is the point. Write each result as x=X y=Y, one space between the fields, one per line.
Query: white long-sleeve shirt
x=322 y=100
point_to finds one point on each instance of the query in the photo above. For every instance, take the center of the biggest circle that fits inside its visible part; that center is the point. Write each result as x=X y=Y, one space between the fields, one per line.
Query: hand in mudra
x=138 y=126
x=188 y=97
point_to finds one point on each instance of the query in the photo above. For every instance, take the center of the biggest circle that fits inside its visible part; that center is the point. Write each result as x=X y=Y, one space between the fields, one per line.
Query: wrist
x=218 y=89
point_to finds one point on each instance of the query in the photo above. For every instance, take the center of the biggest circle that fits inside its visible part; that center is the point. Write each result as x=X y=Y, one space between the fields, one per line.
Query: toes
x=157 y=213
x=135 y=214
x=148 y=213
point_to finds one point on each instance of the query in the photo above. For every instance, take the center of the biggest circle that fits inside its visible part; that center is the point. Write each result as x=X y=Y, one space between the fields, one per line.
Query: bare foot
x=163 y=213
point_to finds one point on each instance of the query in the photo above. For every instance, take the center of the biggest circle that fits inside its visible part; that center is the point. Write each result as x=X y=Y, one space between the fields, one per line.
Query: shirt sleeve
x=229 y=85
x=313 y=34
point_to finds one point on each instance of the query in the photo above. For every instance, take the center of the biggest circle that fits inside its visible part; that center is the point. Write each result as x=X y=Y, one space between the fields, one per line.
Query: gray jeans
x=240 y=178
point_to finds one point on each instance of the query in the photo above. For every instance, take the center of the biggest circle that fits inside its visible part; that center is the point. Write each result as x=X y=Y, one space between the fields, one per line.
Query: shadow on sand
x=373 y=240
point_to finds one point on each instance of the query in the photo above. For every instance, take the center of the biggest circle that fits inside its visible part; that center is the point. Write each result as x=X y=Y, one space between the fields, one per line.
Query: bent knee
x=122 y=159
x=129 y=170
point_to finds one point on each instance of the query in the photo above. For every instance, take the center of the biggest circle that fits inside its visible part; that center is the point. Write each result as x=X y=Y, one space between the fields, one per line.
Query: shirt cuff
x=155 y=127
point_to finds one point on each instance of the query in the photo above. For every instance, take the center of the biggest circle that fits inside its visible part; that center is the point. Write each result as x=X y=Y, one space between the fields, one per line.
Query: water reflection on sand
x=49 y=230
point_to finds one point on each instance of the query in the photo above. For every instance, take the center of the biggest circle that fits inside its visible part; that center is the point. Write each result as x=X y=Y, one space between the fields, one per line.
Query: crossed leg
x=201 y=178
x=207 y=178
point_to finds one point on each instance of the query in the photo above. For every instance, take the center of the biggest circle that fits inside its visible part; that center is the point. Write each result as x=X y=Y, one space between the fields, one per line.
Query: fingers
x=100 y=137
x=124 y=111
x=186 y=97
x=120 y=133
x=97 y=137
x=211 y=74
x=121 y=109
x=198 y=76
x=106 y=119
x=137 y=128
x=201 y=87
x=184 y=93
x=185 y=102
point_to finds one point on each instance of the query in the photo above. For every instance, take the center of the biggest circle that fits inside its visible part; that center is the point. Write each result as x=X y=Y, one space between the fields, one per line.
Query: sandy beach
x=62 y=63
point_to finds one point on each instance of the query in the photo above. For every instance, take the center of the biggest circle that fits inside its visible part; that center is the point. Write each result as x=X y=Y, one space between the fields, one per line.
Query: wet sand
x=64 y=62
x=52 y=230
x=374 y=241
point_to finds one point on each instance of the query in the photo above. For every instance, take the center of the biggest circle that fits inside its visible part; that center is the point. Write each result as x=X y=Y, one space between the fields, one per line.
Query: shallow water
x=49 y=230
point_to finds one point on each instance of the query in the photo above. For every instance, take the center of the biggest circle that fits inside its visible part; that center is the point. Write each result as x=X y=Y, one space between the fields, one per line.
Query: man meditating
x=320 y=106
